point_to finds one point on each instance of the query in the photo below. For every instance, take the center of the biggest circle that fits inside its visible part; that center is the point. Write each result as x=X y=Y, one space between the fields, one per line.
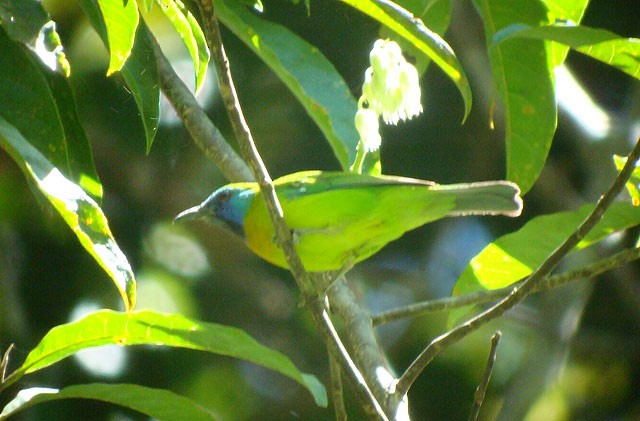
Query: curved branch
x=203 y=132
x=519 y=293
x=306 y=282
x=481 y=297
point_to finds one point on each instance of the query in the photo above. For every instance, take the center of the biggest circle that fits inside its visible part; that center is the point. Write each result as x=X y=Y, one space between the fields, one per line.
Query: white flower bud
x=391 y=86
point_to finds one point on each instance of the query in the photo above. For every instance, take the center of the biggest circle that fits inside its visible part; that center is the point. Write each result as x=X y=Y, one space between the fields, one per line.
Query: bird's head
x=226 y=207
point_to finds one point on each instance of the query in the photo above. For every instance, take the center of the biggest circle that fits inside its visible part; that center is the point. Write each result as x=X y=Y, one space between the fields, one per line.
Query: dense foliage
x=545 y=100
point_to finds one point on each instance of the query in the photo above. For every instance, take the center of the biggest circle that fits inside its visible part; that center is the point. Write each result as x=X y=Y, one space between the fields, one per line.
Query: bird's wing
x=307 y=183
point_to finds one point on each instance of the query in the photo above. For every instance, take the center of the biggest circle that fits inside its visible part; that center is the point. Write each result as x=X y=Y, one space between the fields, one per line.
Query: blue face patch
x=230 y=205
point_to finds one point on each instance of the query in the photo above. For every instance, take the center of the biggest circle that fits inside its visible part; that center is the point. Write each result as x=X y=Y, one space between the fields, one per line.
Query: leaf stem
x=481 y=391
x=358 y=162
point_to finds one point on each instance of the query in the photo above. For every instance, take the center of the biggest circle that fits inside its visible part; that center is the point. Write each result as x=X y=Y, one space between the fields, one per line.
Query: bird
x=338 y=219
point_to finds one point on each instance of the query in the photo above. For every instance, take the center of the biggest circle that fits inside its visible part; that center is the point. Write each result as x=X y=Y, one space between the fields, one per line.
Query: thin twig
x=481 y=391
x=4 y=363
x=203 y=132
x=519 y=293
x=336 y=389
x=245 y=139
x=481 y=297
x=305 y=281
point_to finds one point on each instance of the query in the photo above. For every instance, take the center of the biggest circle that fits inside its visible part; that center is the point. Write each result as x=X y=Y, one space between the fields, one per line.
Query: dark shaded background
x=570 y=354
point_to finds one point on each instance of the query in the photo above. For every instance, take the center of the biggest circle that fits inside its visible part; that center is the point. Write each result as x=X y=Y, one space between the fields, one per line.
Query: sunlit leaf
x=120 y=21
x=78 y=209
x=633 y=184
x=514 y=256
x=602 y=45
x=523 y=76
x=436 y=15
x=305 y=71
x=187 y=26
x=23 y=19
x=423 y=39
x=568 y=11
x=140 y=71
x=145 y=5
x=40 y=105
x=27 y=22
x=149 y=328
x=159 y=404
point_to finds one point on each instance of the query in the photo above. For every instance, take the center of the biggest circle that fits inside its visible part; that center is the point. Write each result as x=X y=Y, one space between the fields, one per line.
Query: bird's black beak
x=188 y=215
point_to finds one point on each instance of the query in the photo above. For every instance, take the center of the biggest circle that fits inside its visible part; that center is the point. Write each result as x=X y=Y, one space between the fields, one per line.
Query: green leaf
x=305 y=71
x=514 y=256
x=634 y=181
x=436 y=15
x=150 y=328
x=257 y=5
x=602 y=45
x=523 y=76
x=141 y=75
x=426 y=41
x=78 y=210
x=41 y=106
x=140 y=72
x=189 y=30
x=120 y=21
x=145 y=5
x=23 y=19
x=574 y=36
x=27 y=22
x=156 y=403
x=567 y=11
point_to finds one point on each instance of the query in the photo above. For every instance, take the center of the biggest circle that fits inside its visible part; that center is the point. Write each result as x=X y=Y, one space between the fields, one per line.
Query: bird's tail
x=484 y=198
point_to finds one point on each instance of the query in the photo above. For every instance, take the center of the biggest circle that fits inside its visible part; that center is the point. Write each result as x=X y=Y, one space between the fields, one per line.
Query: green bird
x=339 y=219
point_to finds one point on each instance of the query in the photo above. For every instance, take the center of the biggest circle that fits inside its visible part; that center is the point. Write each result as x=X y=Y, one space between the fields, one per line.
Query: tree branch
x=336 y=389
x=481 y=297
x=363 y=344
x=519 y=293
x=481 y=391
x=203 y=132
x=306 y=283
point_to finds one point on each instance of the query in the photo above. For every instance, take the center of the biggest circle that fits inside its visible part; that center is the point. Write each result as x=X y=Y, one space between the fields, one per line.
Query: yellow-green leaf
x=312 y=79
x=600 y=44
x=121 y=21
x=189 y=30
x=523 y=75
x=146 y=327
x=77 y=208
x=158 y=404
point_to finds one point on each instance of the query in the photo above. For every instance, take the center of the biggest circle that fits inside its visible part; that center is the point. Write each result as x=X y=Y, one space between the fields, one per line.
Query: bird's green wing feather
x=340 y=218
x=306 y=183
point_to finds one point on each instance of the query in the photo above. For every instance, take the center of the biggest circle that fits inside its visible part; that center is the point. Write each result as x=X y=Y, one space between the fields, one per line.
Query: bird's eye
x=224 y=196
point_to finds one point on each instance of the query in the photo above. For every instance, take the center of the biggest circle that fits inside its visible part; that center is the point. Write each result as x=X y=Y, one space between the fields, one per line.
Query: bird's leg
x=348 y=264
x=295 y=235
x=327 y=279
